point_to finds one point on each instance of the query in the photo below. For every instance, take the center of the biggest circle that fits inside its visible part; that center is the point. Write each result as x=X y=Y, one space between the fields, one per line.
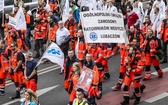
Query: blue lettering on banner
x=55 y=52
x=93 y=36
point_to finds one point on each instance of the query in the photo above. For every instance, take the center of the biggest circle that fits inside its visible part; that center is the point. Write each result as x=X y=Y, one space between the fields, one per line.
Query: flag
x=54 y=54
x=20 y=20
x=76 y=48
x=88 y=3
x=1 y=5
x=12 y=21
x=47 y=6
x=65 y=11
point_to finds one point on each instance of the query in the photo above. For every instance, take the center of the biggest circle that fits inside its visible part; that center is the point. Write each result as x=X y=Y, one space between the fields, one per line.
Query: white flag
x=1 y=5
x=88 y=3
x=65 y=11
x=54 y=54
x=20 y=20
x=12 y=21
x=76 y=48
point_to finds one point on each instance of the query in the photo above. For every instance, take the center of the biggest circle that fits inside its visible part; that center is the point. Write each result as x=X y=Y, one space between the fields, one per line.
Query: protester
x=80 y=100
x=73 y=81
x=17 y=65
x=151 y=46
x=163 y=36
x=63 y=37
x=30 y=72
x=5 y=53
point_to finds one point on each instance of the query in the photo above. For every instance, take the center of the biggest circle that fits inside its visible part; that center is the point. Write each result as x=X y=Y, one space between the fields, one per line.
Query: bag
x=159 y=55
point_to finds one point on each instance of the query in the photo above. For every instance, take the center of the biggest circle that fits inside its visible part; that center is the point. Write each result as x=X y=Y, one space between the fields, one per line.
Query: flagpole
x=60 y=9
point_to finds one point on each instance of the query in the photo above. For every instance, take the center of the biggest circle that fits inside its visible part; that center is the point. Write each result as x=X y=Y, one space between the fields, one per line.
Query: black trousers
x=39 y=46
x=164 y=48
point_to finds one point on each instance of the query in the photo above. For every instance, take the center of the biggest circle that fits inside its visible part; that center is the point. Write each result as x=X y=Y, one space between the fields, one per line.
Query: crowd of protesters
x=147 y=32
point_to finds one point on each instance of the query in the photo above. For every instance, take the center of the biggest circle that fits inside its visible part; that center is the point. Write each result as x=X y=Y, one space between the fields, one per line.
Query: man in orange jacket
x=147 y=24
x=107 y=51
x=5 y=54
x=71 y=25
x=133 y=33
x=91 y=65
x=17 y=64
x=40 y=32
x=80 y=46
x=97 y=57
x=151 y=46
x=164 y=37
x=133 y=74
x=52 y=29
x=14 y=37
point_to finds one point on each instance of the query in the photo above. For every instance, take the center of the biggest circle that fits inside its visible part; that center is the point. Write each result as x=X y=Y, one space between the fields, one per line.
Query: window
x=9 y=2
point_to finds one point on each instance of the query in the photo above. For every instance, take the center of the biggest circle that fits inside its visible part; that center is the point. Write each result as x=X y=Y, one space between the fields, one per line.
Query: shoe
x=133 y=96
x=142 y=87
x=137 y=100
x=16 y=96
x=106 y=76
x=2 y=93
x=146 y=79
x=124 y=103
x=160 y=74
x=22 y=90
x=116 y=88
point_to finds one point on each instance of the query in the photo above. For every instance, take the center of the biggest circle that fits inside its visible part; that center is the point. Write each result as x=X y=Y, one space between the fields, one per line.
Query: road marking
x=164 y=70
x=158 y=97
x=39 y=93
x=46 y=71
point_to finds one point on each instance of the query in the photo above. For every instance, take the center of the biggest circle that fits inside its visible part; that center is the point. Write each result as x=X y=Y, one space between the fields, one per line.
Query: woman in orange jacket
x=74 y=79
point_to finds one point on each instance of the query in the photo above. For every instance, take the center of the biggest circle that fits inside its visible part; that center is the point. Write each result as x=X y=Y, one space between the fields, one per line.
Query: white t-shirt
x=61 y=35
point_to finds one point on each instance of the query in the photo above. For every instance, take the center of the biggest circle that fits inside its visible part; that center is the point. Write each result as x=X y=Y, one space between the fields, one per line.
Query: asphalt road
x=53 y=92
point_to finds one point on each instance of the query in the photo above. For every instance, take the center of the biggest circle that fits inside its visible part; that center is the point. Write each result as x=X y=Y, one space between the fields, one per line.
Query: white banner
x=1 y=5
x=54 y=54
x=20 y=20
x=103 y=27
x=65 y=11
x=12 y=21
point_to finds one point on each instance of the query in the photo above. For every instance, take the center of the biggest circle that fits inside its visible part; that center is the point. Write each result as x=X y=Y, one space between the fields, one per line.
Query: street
x=51 y=92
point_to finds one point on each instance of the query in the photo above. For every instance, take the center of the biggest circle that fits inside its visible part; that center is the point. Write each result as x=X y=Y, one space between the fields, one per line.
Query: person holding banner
x=73 y=81
x=97 y=57
x=30 y=72
x=94 y=86
x=80 y=48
